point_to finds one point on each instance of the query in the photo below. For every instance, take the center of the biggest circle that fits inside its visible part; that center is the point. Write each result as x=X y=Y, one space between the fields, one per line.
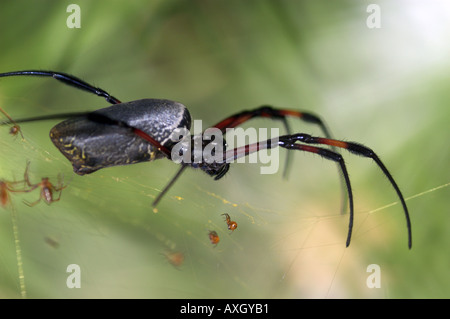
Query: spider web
x=105 y=224
x=290 y=240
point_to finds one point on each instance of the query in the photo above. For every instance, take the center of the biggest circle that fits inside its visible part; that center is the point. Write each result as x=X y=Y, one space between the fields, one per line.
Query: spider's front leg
x=270 y=112
x=288 y=142
x=291 y=142
x=364 y=151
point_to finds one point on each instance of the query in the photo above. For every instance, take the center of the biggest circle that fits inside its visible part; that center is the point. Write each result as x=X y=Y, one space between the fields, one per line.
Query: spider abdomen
x=102 y=138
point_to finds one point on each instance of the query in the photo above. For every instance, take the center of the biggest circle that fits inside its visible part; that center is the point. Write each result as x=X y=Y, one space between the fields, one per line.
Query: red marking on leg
x=291 y=113
x=331 y=142
x=308 y=148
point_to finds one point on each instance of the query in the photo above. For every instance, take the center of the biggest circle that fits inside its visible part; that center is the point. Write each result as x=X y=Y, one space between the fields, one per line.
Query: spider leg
x=68 y=80
x=169 y=185
x=282 y=114
x=60 y=186
x=59 y=196
x=60 y=116
x=289 y=143
x=287 y=161
x=10 y=186
x=273 y=113
x=336 y=157
x=31 y=204
x=262 y=111
x=364 y=151
x=26 y=177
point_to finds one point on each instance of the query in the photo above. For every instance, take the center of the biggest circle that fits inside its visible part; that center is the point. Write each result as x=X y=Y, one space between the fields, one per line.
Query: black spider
x=141 y=130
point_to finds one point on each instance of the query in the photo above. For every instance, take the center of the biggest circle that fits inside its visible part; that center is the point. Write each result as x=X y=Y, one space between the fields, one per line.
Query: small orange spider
x=5 y=188
x=47 y=189
x=213 y=237
x=15 y=129
x=232 y=225
x=175 y=258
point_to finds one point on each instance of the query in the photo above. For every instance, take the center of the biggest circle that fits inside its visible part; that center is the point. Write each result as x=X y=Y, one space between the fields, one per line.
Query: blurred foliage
x=386 y=88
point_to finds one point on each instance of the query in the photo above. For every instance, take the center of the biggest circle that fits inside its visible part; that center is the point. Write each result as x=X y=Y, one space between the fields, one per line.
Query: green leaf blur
x=385 y=87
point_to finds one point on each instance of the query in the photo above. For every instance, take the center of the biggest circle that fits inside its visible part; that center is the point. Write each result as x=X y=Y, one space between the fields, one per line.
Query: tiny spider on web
x=47 y=189
x=213 y=237
x=232 y=225
x=15 y=129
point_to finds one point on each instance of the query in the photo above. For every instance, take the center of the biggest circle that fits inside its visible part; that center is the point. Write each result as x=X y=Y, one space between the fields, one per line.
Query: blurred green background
x=385 y=87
